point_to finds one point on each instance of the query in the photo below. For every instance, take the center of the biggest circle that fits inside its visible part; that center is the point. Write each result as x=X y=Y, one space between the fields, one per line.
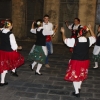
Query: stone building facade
x=24 y=12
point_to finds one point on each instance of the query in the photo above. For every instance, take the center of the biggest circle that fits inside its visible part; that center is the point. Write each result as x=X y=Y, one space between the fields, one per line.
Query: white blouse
x=44 y=32
x=71 y=41
x=75 y=26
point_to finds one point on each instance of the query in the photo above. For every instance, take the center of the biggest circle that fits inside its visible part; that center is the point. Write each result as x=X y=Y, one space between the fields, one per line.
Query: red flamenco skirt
x=10 y=60
x=77 y=70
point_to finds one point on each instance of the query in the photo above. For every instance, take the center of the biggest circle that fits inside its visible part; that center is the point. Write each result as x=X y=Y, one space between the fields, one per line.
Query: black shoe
x=31 y=67
x=14 y=74
x=2 y=84
x=36 y=73
x=76 y=95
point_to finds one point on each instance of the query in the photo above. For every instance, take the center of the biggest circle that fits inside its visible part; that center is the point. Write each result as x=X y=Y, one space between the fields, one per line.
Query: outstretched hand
x=92 y=33
x=89 y=26
x=62 y=29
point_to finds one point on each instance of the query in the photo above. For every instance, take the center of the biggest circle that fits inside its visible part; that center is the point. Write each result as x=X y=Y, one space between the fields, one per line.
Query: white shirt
x=13 y=43
x=44 y=32
x=48 y=26
x=70 y=42
x=75 y=26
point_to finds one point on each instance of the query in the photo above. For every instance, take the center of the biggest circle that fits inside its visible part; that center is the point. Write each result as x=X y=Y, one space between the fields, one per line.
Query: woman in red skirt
x=79 y=63
x=10 y=59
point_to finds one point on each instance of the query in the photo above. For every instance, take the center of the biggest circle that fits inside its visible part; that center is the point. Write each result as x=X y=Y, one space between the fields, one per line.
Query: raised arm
x=68 y=41
x=33 y=30
x=63 y=33
x=92 y=33
x=55 y=29
x=66 y=23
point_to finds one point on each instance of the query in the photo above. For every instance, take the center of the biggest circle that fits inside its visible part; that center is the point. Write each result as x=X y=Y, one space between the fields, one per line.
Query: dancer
x=39 y=51
x=48 y=26
x=96 y=50
x=10 y=59
x=74 y=27
x=79 y=63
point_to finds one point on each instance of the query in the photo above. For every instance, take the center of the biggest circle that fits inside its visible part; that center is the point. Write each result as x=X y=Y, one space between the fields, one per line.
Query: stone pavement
x=51 y=85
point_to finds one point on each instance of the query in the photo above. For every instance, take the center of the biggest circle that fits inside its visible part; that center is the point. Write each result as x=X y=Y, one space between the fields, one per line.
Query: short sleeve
x=70 y=42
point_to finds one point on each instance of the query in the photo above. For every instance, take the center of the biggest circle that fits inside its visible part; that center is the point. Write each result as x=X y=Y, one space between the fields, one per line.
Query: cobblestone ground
x=51 y=85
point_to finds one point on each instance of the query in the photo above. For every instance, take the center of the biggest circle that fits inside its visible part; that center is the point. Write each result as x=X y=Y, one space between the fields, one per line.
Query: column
x=87 y=11
x=18 y=18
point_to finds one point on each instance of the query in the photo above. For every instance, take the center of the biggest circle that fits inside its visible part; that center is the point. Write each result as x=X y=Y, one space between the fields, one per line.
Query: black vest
x=81 y=50
x=5 y=41
x=41 y=39
x=75 y=32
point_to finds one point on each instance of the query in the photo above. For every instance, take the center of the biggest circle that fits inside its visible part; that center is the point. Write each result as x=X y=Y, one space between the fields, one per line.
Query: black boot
x=36 y=73
x=76 y=95
x=2 y=84
x=14 y=74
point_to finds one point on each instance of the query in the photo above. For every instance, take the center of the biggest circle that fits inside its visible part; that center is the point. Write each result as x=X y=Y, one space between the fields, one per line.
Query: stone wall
x=23 y=12
x=68 y=11
x=19 y=18
x=87 y=12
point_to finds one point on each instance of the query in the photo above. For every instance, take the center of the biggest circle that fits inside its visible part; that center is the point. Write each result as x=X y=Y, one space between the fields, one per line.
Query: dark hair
x=77 y=19
x=47 y=16
x=83 y=31
x=39 y=20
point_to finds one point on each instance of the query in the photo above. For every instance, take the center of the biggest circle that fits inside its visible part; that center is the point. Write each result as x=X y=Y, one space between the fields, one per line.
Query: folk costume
x=39 y=52
x=10 y=59
x=79 y=63
x=96 y=51
x=74 y=30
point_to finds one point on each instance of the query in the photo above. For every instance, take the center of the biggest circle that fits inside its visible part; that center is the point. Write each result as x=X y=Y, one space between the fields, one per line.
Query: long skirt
x=37 y=54
x=77 y=70
x=10 y=60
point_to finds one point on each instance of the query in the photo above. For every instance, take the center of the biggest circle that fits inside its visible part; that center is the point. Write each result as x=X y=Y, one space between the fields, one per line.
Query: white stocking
x=3 y=76
x=38 y=68
x=76 y=87
x=96 y=65
x=80 y=82
x=33 y=64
